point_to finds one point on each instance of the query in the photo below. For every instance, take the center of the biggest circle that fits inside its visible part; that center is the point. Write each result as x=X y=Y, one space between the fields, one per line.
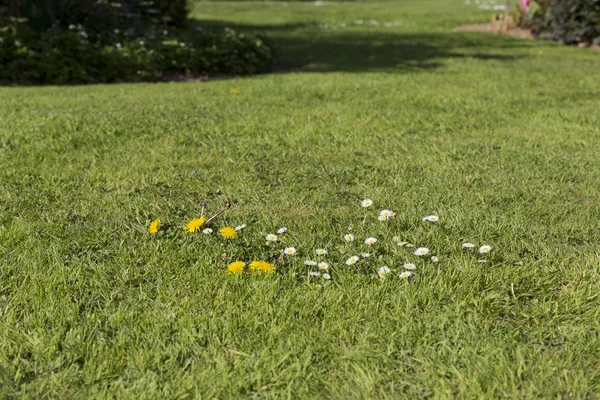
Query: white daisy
x=396 y=239
x=482 y=261
x=323 y=265
x=352 y=260
x=349 y=237
x=383 y=271
x=272 y=238
x=421 y=251
x=207 y=231
x=468 y=245
x=282 y=230
x=431 y=218
x=326 y=276
x=485 y=248
x=371 y=240
x=314 y=273
x=409 y=245
x=310 y=263
x=365 y=255
x=382 y=218
x=434 y=259
x=366 y=203
x=320 y=252
x=410 y=266
x=289 y=251
x=384 y=215
x=239 y=228
x=402 y=244
x=404 y=275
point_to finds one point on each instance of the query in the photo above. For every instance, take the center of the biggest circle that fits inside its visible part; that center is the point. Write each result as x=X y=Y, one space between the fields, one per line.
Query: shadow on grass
x=355 y=50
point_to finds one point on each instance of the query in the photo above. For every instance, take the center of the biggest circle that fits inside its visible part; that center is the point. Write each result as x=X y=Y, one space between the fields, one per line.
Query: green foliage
x=568 y=21
x=59 y=56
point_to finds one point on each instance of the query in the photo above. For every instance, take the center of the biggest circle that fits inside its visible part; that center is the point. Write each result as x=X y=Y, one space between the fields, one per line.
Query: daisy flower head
x=323 y=265
x=289 y=251
x=320 y=252
x=383 y=271
x=195 y=224
x=262 y=266
x=314 y=273
x=365 y=255
x=410 y=266
x=409 y=245
x=326 y=276
x=272 y=238
x=236 y=267
x=366 y=203
x=396 y=239
x=228 y=232
x=240 y=227
x=434 y=259
x=207 y=231
x=154 y=226
x=282 y=230
x=310 y=263
x=404 y=275
x=382 y=218
x=349 y=237
x=371 y=240
x=352 y=260
x=468 y=245
x=485 y=248
x=431 y=218
x=384 y=215
x=482 y=261
x=421 y=251
x=402 y=244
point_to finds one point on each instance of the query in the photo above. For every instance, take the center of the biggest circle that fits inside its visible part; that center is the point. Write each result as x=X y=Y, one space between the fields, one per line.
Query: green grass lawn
x=498 y=136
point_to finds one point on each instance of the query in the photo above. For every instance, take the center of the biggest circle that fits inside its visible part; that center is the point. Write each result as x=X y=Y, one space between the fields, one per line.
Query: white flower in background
x=272 y=238
x=383 y=271
x=421 y=251
x=207 y=231
x=365 y=255
x=468 y=245
x=310 y=263
x=323 y=265
x=366 y=203
x=352 y=260
x=409 y=245
x=326 y=276
x=485 y=249
x=371 y=240
x=320 y=252
x=289 y=251
x=404 y=275
x=384 y=215
x=410 y=266
x=482 y=261
x=431 y=218
x=396 y=239
x=349 y=237
x=314 y=273
x=402 y=244
x=282 y=230
x=434 y=259
x=239 y=228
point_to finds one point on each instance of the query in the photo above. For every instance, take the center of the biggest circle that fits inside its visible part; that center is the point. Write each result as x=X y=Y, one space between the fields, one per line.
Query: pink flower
x=524 y=6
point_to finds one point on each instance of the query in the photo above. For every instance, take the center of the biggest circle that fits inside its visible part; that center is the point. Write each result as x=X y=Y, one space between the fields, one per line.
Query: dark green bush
x=569 y=21
x=60 y=56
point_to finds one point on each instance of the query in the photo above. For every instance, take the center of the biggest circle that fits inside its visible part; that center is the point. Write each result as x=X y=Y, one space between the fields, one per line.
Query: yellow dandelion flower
x=261 y=266
x=195 y=224
x=154 y=225
x=236 y=267
x=234 y=91
x=228 y=232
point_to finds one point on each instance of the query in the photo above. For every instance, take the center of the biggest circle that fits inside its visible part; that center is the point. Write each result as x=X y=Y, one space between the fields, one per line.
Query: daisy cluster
x=354 y=250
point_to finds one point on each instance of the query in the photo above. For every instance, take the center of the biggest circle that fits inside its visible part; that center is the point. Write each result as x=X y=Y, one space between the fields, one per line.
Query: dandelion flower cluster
x=262 y=266
x=154 y=226
x=195 y=224
x=236 y=267
x=228 y=232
